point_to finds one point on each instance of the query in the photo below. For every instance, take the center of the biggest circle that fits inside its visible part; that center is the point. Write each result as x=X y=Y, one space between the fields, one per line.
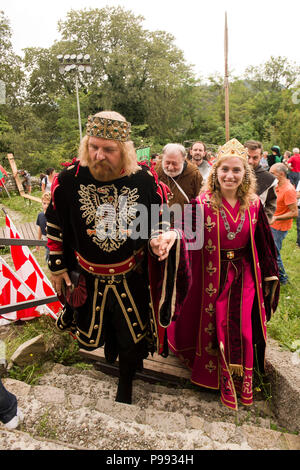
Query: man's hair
x=296 y=150
x=199 y=142
x=46 y=197
x=128 y=153
x=174 y=148
x=254 y=145
x=281 y=168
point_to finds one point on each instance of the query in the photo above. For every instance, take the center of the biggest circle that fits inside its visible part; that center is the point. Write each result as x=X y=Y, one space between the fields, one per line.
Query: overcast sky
x=258 y=29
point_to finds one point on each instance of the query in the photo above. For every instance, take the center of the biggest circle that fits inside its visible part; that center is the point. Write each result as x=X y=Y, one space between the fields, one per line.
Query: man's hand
x=57 y=281
x=162 y=244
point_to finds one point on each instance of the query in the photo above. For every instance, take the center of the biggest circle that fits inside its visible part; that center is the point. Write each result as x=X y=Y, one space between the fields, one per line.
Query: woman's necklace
x=232 y=235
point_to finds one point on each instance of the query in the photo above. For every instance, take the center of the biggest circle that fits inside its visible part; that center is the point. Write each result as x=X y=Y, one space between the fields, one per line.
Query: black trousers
x=8 y=404
x=118 y=339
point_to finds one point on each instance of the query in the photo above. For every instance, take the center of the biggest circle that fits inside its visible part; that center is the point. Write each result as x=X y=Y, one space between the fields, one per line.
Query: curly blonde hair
x=128 y=153
x=245 y=193
x=46 y=197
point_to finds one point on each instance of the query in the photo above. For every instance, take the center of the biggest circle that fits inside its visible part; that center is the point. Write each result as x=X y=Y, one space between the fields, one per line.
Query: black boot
x=127 y=368
x=124 y=392
x=111 y=350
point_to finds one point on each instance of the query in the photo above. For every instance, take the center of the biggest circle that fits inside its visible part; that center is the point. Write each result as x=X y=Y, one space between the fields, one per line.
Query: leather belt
x=229 y=255
x=111 y=270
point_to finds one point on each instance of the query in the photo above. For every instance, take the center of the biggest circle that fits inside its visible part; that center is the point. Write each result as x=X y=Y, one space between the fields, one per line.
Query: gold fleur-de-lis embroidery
x=247 y=384
x=210 y=310
x=210 y=350
x=210 y=290
x=209 y=224
x=210 y=247
x=207 y=200
x=210 y=367
x=210 y=269
x=210 y=329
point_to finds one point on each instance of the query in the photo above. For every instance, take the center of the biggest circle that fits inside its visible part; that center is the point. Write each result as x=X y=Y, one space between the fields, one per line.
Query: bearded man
x=181 y=176
x=198 y=153
x=99 y=223
x=265 y=181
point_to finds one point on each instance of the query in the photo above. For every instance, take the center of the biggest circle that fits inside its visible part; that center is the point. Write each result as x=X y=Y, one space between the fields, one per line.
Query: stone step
x=18 y=440
x=71 y=408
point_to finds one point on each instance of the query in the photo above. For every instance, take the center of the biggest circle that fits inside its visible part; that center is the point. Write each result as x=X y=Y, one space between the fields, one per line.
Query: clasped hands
x=162 y=244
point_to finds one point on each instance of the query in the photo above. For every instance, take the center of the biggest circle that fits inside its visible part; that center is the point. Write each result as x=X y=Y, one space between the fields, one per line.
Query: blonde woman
x=222 y=325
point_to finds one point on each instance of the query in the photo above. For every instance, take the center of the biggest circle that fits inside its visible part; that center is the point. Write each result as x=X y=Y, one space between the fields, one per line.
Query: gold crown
x=233 y=148
x=108 y=128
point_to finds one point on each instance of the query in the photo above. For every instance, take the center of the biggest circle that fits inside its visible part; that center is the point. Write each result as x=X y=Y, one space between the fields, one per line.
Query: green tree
x=137 y=72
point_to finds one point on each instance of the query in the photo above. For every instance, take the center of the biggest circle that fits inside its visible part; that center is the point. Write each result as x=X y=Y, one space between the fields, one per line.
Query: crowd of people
x=138 y=277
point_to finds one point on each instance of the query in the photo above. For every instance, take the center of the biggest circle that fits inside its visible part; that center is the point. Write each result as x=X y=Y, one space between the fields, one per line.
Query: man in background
x=298 y=217
x=41 y=222
x=181 y=176
x=286 y=210
x=294 y=167
x=275 y=156
x=198 y=153
x=26 y=182
x=266 y=182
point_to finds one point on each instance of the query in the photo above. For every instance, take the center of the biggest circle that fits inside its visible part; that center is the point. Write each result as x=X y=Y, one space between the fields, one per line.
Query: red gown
x=222 y=324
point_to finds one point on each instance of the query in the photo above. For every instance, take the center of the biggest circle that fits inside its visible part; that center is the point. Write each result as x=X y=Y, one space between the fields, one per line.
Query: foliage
x=27 y=210
x=285 y=323
x=29 y=374
x=143 y=75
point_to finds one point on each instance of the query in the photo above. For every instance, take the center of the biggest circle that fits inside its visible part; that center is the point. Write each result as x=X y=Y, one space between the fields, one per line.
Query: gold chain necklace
x=232 y=235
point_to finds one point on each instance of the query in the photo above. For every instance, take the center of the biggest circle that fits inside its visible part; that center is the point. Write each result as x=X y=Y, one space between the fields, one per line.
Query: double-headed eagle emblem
x=108 y=213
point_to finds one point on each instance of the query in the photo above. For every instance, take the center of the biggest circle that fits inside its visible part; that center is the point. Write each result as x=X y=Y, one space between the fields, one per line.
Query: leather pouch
x=76 y=294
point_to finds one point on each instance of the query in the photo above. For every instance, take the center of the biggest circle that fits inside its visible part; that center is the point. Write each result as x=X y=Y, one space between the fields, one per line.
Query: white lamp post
x=76 y=63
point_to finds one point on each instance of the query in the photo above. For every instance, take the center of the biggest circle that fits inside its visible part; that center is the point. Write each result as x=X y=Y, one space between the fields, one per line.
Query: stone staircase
x=74 y=409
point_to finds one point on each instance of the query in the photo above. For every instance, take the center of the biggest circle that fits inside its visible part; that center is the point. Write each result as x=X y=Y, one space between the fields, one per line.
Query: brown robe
x=190 y=180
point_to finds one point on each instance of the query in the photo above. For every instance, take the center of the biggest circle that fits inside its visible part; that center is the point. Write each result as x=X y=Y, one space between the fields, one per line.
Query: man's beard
x=199 y=161
x=103 y=171
x=173 y=174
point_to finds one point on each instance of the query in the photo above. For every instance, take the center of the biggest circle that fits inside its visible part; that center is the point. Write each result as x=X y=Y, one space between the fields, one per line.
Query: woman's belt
x=230 y=255
x=111 y=269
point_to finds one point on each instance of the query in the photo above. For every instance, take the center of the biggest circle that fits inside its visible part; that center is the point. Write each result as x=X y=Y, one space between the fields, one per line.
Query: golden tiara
x=108 y=128
x=233 y=148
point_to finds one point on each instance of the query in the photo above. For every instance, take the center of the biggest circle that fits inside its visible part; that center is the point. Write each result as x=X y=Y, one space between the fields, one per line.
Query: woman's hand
x=267 y=288
x=57 y=281
x=163 y=243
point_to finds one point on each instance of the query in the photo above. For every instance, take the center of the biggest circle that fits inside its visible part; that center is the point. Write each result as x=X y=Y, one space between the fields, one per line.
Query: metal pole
x=78 y=108
x=226 y=81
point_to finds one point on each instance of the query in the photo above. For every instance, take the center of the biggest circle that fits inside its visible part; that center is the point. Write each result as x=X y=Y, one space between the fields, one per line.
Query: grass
x=45 y=428
x=27 y=209
x=285 y=323
x=61 y=348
